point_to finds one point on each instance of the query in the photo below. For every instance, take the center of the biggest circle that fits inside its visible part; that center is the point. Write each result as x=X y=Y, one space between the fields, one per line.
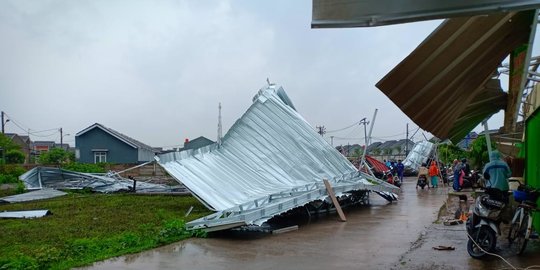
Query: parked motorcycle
x=472 y=180
x=422 y=181
x=483 y=224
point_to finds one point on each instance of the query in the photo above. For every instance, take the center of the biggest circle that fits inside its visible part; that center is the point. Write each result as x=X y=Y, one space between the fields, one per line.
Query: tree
x=7 y=144
x=448 y=153
x=56 y=156
x=478 y=153
x=14 y=156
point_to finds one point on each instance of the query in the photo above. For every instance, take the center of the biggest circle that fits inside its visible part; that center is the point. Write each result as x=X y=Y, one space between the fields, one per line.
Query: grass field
x=85 y=228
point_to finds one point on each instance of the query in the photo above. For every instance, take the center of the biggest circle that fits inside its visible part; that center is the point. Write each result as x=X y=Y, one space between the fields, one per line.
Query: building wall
x=532 y=156
x=118 y=151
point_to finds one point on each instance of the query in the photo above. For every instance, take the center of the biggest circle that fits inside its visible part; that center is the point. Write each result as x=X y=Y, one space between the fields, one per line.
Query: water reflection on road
x=373 y=237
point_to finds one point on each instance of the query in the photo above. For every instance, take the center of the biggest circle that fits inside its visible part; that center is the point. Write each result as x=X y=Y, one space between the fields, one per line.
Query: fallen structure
x=56 y=178
x=269 y=162
x=419 y=154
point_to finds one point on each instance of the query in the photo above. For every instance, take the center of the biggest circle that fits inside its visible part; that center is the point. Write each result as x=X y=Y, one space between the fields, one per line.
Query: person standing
x=497 y=172
x=434 y=174
x=400 y=170
x=456 y=168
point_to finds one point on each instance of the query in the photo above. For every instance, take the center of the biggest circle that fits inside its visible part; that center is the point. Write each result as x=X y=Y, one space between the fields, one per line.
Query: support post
x=334 y=200
x=488 y=138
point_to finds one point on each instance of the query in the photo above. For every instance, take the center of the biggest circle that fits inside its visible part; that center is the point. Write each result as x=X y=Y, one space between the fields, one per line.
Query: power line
x=341 y=129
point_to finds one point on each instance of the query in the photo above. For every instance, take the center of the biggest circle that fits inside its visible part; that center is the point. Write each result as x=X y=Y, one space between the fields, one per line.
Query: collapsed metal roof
x=56 y=178
x=270 y=161
x=446 y=84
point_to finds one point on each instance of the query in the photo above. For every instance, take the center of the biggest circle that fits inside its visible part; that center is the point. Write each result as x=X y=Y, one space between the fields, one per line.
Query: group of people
x=433 y=172
x=496 y=172
x=397 y=168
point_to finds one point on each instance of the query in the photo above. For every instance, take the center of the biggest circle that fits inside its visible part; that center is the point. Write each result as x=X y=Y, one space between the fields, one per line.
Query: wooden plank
x=286 y=229
x=334 y=200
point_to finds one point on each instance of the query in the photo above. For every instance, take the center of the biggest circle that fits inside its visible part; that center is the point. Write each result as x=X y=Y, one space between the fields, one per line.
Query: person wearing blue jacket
x=498 y=172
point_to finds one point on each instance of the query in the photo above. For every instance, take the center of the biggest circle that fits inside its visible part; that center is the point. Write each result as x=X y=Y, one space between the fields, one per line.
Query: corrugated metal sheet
x=363 y=13
x=271 y=157
x=55 y=178
x=419 y=154
x=376 y=165
x=25 y=214
x=33 y=195
x=445 y=85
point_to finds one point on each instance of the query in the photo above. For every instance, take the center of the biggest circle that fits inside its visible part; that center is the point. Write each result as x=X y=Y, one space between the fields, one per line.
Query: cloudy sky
x=156 y=70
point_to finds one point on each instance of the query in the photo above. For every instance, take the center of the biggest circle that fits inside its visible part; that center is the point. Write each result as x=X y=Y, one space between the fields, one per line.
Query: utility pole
x=332 y=141
x=407 y=141
x=61 y=139
x=3 y=124
x=322 y=130
x=365 y=122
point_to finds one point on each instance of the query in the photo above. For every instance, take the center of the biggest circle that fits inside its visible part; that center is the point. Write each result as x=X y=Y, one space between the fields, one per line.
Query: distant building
x=42 y=146
x=197 y=143
x=98 y=143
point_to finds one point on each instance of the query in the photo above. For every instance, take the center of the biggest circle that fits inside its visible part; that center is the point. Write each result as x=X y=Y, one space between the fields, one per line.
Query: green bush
x=12 y=169
x=14 y=156
x=8 y=179
x=10 y=173
x=56 y=156
x=173 y=230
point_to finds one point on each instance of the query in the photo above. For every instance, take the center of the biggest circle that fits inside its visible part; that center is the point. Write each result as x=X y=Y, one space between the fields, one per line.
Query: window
x=100 y=157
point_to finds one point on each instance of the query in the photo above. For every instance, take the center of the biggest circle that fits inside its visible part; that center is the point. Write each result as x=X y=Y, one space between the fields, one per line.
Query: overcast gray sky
x=156 y=70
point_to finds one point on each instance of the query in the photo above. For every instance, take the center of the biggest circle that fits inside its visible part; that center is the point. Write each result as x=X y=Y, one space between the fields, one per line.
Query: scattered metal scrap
x=25 y=214
x=45 y=193
x=56 y=178
x=270 y=161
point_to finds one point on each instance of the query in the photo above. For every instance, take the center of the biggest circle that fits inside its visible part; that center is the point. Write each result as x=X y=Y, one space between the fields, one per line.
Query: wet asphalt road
x=374 y=237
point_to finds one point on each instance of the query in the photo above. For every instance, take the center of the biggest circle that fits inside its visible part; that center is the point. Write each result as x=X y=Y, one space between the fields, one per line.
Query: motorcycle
x=473 y=180
x=422 y=181
x=483 y=225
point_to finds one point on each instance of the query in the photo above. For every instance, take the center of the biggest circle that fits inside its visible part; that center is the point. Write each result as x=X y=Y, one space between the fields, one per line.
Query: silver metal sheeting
x=55 y=178
x=25 y=214
x=270 y=156
x=33 y=195
x=419 y=154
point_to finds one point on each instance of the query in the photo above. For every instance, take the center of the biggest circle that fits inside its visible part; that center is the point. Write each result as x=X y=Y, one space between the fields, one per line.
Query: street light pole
x=3 y=124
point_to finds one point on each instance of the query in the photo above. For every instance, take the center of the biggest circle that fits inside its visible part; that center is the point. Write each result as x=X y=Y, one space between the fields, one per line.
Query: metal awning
x=362 y=13
x=447 y=85
x=270 y=161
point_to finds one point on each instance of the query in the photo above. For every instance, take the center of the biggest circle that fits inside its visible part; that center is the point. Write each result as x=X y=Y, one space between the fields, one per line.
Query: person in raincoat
x=456 y=168
x=434 y=174
x=497 y=172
